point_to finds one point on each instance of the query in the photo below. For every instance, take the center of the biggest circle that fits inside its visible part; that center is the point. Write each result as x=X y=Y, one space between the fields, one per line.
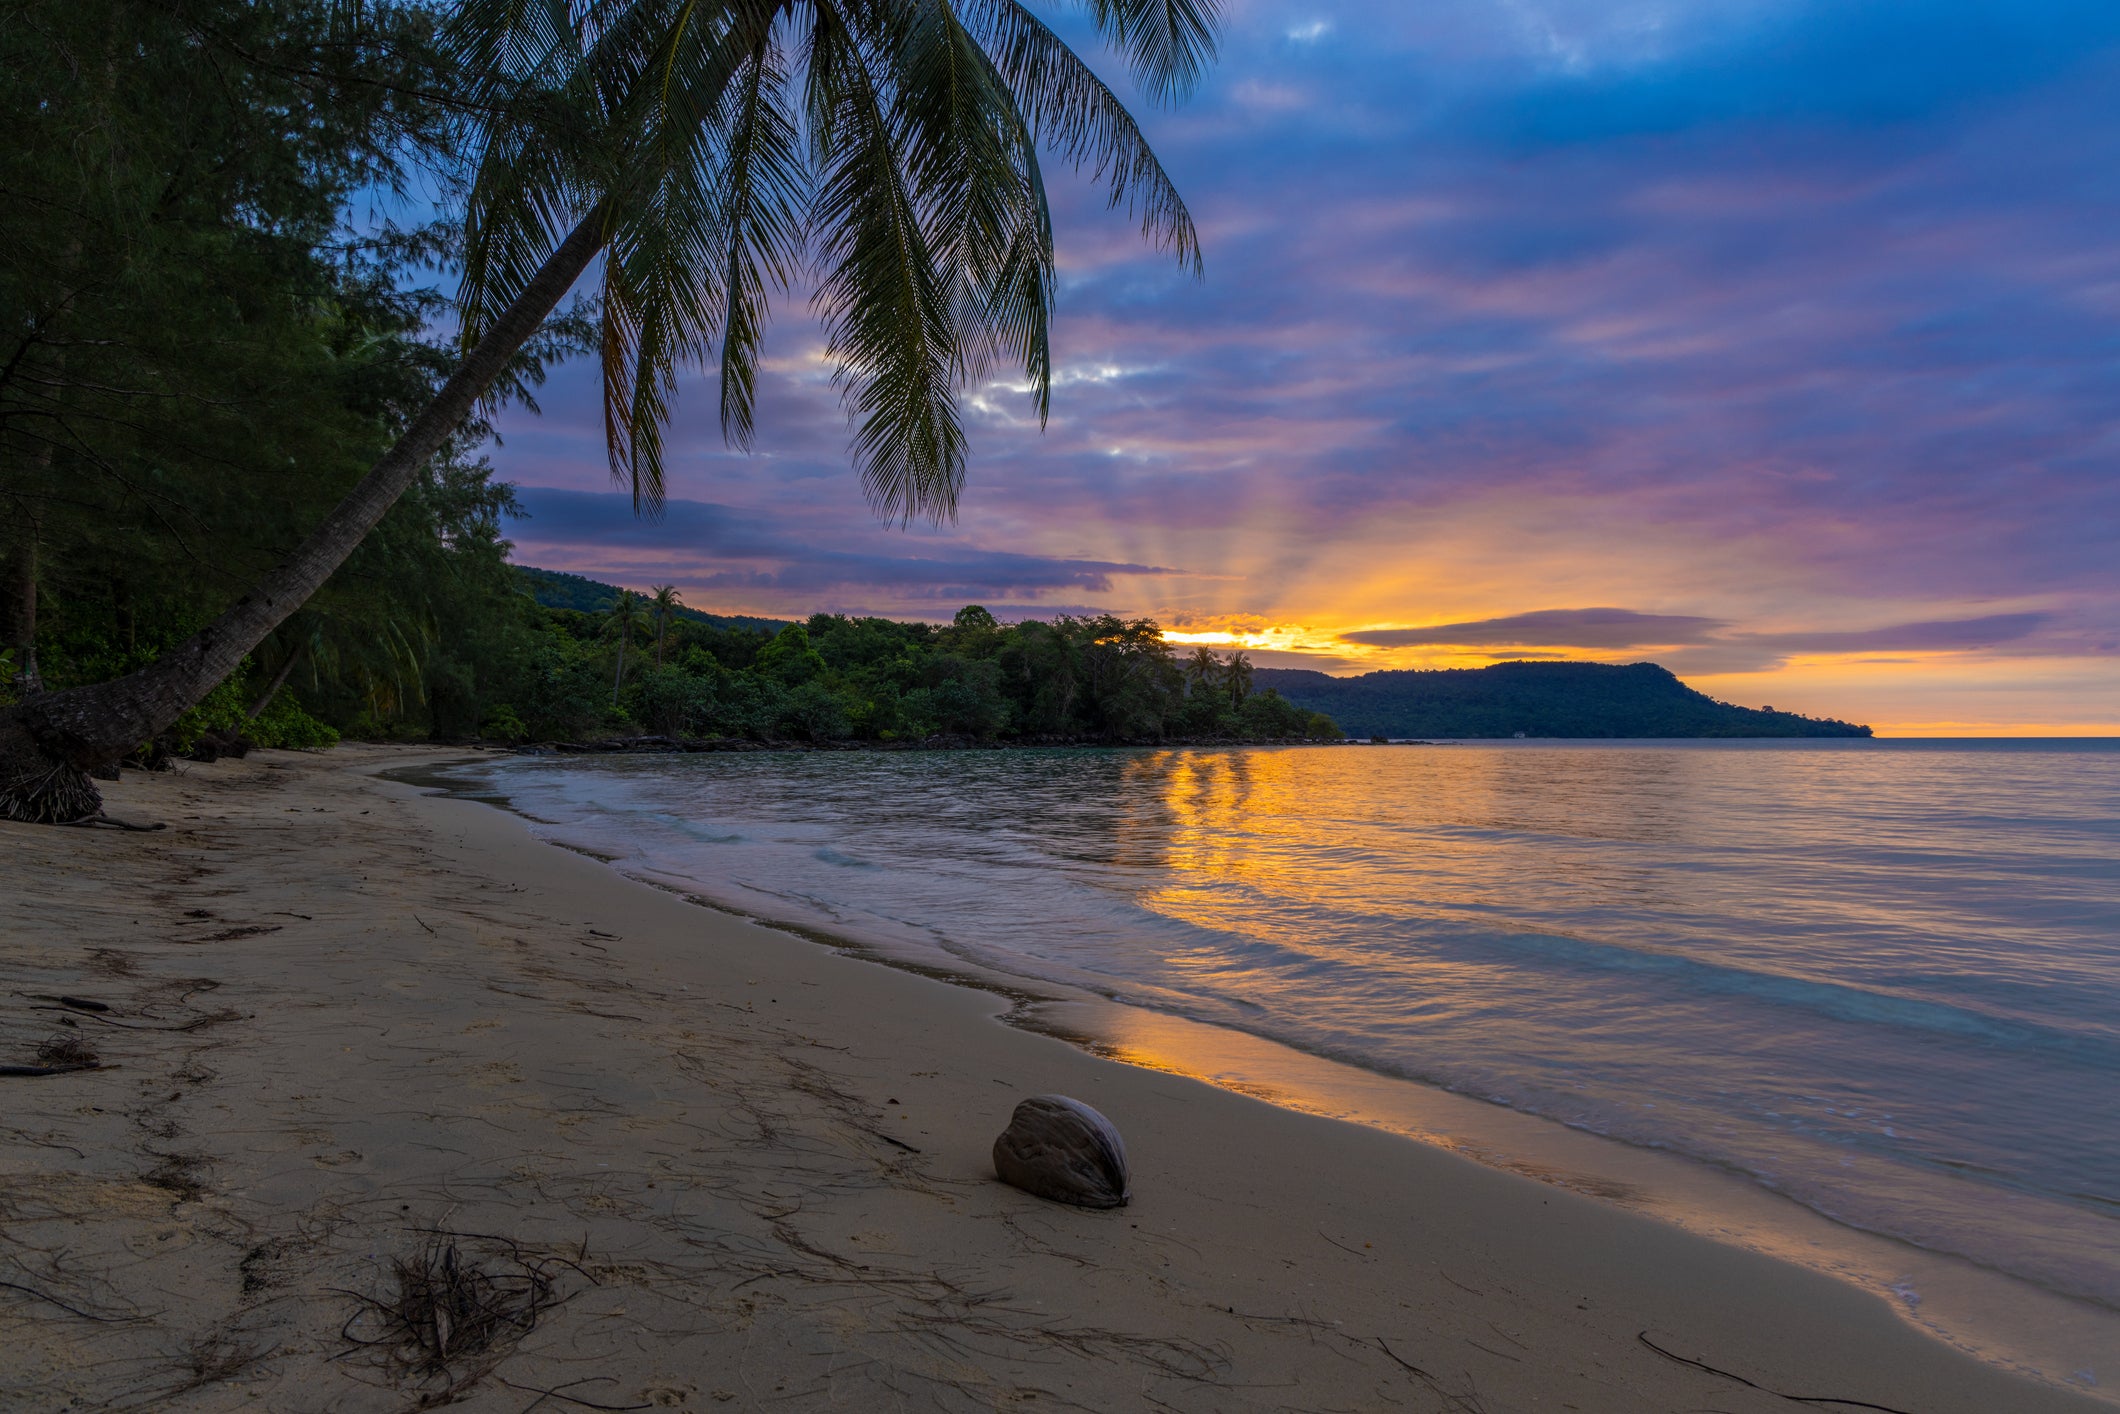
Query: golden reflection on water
x=1410 y=831
x=1234 y=1061
x=1870 y=976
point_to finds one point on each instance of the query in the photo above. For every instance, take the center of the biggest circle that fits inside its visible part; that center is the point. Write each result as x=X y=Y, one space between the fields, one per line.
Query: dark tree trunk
x=279 y=680
x=47 y=743
x=122 y=606
x=22 y=608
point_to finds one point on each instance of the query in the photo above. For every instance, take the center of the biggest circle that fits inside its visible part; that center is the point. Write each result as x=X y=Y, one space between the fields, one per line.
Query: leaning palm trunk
x=722 y=148
x=49 y=743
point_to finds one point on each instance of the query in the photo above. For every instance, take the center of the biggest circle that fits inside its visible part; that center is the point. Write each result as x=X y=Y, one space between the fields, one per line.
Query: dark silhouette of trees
x=664 y=603
x=622 y=621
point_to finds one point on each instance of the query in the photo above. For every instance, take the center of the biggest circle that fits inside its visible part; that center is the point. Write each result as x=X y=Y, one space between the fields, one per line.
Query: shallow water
x=1881 y=978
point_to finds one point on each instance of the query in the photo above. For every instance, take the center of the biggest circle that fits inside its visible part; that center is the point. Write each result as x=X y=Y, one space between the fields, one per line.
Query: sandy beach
x=339 y=1024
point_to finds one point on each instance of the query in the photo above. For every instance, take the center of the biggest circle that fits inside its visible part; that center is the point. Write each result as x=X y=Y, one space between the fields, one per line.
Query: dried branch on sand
x=61 y=1055
x=453 y=1316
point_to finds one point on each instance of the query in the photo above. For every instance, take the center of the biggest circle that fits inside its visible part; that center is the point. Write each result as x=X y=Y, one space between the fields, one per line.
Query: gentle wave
x=1885 y=982
x=1832 y=999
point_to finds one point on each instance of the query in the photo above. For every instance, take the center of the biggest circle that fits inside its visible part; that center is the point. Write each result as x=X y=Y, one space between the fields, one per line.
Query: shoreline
x=697 y=746
x=2001 y=1318
x=764 y=1161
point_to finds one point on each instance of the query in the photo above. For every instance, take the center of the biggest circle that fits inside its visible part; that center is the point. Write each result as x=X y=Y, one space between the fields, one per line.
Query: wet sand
x=749 y=1171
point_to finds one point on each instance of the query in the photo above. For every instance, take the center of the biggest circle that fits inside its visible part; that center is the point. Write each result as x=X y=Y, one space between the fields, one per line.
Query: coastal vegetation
x=197 y=331
x=447 y=641
x=201 y=360
x=834 y=678
x=432 y=634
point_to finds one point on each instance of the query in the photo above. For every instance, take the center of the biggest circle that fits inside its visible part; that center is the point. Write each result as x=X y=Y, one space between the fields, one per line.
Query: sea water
x=1881 y=979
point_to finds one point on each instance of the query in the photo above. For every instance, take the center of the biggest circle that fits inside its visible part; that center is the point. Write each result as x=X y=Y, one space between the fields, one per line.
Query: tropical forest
x=227 y=302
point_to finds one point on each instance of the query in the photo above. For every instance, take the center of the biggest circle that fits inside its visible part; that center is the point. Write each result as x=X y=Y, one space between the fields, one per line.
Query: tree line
x=639 y=668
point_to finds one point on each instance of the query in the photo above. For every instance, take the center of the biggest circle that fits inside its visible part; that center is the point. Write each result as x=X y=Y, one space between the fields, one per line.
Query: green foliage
x=502 y=724
x=837 y=678
x=424 y=636
x=224 y=711
x=283 y=723
x=814 y=712
x=198 y=360
x=789 y=659
x=219 y=711
x=193 y=361
x=670 y=701
x=563 y=690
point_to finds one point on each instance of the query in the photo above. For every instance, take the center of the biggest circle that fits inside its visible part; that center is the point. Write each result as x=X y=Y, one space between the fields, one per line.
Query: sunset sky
x=1777 y=342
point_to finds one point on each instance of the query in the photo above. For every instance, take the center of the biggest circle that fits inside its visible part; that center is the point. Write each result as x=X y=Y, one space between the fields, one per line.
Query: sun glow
x=1327 y=647
x=1285 y=638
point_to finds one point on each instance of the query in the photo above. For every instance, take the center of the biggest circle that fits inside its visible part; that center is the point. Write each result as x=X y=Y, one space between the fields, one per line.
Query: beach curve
x=764 y=1165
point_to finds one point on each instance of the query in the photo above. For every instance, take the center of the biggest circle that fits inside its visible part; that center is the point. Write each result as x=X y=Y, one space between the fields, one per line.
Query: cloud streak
x=1695 y=306
x=1565 y=628
x=1708 y=645
x=716 y=552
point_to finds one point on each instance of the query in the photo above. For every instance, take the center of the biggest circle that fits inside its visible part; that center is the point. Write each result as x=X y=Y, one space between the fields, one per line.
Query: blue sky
x=1776 y=342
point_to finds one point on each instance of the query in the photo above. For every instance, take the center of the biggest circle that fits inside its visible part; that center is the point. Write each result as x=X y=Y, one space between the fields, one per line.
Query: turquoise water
x=1882 y=978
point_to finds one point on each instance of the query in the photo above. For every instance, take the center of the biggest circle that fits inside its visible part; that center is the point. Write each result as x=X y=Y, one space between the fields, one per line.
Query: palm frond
x=1078 y=114
x=973 y=165
x=1168 y=43
x=529 y=76
x=723 y=144
x=664 y=266
x=765 y=194
x=886 y=308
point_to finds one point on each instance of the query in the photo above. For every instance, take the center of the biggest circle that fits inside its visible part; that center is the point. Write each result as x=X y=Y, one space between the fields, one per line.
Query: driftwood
x=1062 y=1149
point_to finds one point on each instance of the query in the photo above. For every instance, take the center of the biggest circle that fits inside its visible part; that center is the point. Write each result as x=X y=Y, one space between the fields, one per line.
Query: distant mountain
x=1533 y=699
x=556 y=589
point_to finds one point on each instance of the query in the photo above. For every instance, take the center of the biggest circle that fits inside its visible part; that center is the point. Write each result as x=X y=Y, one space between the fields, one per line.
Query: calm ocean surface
x=1882 y=978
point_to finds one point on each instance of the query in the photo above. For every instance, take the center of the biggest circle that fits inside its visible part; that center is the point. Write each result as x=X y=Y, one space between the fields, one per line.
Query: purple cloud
x=721 y=554
x=1707 y=645
x=1553 y=628
x=1989 y=631
x=1510 y=305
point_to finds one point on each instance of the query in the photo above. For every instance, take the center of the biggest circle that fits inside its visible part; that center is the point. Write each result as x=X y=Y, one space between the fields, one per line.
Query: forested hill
x=556 y=589
x=1536 y=700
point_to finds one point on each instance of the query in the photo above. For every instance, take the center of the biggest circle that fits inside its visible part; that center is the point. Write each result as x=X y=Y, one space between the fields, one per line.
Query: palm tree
x=1236 y=679
x=665 y=604
x=623 y=620
x=1201 y=667
x=704 y=149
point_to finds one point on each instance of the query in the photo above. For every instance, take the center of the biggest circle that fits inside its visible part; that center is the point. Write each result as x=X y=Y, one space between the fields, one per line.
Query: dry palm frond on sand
x=453 y=1315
